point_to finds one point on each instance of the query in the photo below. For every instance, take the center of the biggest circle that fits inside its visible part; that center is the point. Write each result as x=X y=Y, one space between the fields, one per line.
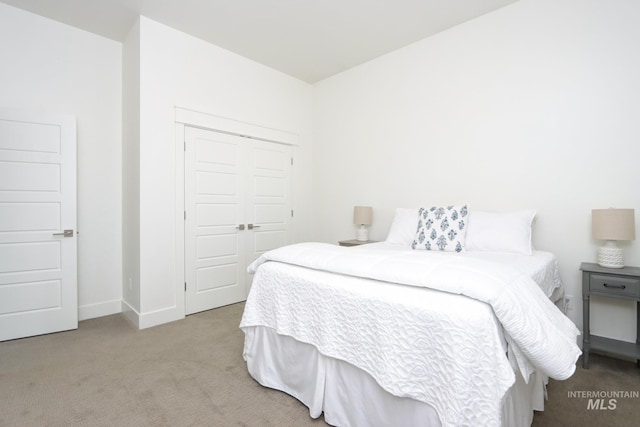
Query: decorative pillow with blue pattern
x=441 y=228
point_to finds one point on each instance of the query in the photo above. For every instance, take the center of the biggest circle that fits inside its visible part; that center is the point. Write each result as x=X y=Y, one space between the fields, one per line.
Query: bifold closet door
x=237 y=205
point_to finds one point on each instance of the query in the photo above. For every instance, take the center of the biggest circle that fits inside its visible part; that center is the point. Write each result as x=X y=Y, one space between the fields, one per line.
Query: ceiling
x=307 y=39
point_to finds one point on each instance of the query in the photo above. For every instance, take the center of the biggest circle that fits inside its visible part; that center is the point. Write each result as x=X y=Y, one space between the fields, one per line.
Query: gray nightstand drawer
x=611 y=285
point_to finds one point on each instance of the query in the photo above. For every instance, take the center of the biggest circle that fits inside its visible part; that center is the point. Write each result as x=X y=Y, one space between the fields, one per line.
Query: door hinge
x=291 y=213
x=185 y=286
x=185 y=215
x=185 y=145
x=292 y=161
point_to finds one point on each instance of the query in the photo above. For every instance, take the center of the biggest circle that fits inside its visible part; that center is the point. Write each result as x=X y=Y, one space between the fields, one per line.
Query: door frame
x=193 y=118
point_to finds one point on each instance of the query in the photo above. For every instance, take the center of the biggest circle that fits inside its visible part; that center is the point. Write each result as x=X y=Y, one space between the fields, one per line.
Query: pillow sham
x=403 y=227
x=441 y=229
x=500 y=232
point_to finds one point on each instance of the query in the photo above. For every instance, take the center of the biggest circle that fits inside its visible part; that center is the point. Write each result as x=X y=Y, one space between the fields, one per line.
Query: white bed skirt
x=348 y=396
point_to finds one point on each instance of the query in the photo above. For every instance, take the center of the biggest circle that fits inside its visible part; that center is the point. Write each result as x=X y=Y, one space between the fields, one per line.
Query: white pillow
x=441 y=229
x=403 y=227
x=500 y=232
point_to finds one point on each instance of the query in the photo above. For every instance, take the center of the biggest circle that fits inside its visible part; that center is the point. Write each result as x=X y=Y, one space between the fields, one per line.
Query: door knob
x=65 y=233
x=251 y=226
x=240 y=227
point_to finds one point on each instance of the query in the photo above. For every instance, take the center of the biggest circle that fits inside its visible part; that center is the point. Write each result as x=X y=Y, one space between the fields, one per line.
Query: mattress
x=443 y=350
x=541 y=266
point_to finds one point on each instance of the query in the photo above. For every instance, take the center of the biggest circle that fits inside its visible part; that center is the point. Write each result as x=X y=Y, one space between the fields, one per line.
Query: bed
x=388 y=335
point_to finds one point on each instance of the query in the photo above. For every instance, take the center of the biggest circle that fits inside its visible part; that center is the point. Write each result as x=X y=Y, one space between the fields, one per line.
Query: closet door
x=237 y=195
x=268 y=211
x=215 y=260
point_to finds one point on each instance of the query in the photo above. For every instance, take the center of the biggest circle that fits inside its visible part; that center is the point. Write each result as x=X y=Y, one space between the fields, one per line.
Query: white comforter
x=397 y=354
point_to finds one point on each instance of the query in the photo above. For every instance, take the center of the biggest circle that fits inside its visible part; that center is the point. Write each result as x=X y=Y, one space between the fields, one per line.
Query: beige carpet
x=191 y=373
x=568 y=406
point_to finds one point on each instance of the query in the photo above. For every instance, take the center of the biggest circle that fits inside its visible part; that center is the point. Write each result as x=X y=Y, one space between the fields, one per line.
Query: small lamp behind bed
x=362 y=217
x=611 y=225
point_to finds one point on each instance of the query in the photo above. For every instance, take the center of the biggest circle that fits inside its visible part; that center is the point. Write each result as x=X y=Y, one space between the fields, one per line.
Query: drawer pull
x=606 y=285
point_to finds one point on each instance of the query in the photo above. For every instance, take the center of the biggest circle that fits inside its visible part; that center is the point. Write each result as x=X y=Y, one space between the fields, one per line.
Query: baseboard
x=158 y=317
x=91 y=311
x=130 y=314
x=153 y=318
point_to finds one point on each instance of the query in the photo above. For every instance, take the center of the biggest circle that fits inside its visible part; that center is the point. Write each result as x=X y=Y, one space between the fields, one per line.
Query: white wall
x=532 y=106
x=51 y=67
x=179 y=70
x=131 y=171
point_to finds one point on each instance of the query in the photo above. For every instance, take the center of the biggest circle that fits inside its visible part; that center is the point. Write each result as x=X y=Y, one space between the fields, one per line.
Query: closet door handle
x=240 y=227
x=251 y=226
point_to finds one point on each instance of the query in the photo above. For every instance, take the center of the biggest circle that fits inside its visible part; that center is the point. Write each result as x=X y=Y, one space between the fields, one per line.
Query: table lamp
x=362 y=217
x=612 y=225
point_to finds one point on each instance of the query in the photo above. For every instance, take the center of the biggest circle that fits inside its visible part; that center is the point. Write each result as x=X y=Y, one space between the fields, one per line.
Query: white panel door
x=237 y=205
x=268 y=201
x=38 y=271
x=214 y=203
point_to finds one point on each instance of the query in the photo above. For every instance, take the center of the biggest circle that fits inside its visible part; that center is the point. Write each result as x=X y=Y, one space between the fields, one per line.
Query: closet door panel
x=268 y=197
x=215 y=260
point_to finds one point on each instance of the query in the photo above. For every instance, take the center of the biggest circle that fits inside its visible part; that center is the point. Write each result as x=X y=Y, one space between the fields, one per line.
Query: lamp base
x=610 y=256
x=363 y=234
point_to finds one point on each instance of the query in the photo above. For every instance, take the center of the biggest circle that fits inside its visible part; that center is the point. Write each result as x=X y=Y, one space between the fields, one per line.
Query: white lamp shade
x=362 y=215
x=613 y=224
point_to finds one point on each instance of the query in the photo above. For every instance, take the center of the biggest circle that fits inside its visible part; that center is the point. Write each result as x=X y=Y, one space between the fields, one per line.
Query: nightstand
x=355 y=242
x=611 y=283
